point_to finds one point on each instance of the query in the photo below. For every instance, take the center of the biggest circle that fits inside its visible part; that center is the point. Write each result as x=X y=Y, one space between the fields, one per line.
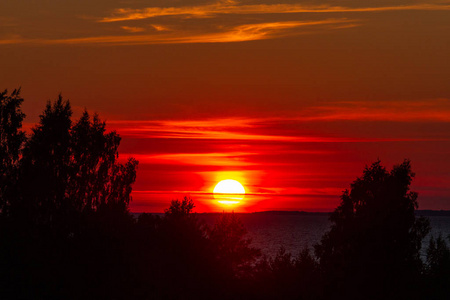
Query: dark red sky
x=291 y=98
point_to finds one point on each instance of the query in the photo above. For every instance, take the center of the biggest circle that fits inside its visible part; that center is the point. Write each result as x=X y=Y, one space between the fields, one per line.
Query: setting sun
x=229 y=192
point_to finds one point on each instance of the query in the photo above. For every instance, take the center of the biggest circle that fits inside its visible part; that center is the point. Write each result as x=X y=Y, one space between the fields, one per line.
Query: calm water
x=293 y=232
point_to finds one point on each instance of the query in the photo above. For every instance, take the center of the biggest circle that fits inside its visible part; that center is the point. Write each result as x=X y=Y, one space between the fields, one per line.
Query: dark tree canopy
x=44 y=167
x=375 y=237
x=11 y=140
x=68 y=168
x=64 y=204
x=232 y=248
x=96 y=177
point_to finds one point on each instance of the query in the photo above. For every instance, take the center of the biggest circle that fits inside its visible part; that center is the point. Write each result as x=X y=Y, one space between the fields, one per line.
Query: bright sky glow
x=290 y=98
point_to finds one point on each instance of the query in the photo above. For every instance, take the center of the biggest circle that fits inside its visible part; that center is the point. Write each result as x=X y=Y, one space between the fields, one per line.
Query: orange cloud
x=133 y=29
x=241 y=33
x=231 y=7
x=159 y=27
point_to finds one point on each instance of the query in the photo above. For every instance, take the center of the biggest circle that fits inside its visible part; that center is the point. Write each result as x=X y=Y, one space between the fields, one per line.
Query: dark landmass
x=422 y=213
x=288 y=213
x=433 y=213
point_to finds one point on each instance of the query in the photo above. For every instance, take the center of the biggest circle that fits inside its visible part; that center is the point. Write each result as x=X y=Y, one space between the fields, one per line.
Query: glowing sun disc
x=229 y=186
x=229 y=191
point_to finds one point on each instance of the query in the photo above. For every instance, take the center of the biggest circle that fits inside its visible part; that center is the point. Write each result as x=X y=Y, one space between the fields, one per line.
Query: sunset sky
x=292 y=99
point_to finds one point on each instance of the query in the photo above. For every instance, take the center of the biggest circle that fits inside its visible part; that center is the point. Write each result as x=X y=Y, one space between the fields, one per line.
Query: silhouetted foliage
x=66 y=169
x=284 y=273
x=182 y=228
x=372 y=249
x=96 y=179
x=185 y=250
x=44 y=167
x=64 y=204
x=289 y=277
x=233 y=250
x=11 y=140
x=179 y=256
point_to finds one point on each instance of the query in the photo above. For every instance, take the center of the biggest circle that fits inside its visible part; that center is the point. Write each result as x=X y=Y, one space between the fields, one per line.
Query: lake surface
x=269 y=232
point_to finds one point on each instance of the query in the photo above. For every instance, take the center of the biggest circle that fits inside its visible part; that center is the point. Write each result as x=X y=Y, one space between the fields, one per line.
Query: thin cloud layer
x=132 y=29
x=219 y=22
x=241 y=33
x=274 y=128
x=233 y=7
x=434 y=110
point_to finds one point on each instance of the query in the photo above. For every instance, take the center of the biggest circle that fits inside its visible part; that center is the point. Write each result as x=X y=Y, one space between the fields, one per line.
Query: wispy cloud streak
x=241 y=33
x=231 y=7
x=435 y=110
x=253 y=130
x=205 y=159
x=133 y=29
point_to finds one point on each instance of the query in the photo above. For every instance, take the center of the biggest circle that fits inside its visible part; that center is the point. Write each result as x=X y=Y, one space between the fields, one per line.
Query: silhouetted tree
x=372 y=249
x=190 y=252
x=231 y=246
x=11 y=140
x=183 y=254
x=94 y=155
x=309 y=283
x=68 y=169
x=285 y=276
x=182 y=225
x=45 y=166
x=66 y=229
x=96 y=178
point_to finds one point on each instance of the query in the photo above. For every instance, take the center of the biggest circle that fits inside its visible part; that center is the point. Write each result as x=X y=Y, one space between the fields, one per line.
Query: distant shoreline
x=422 y=213
x=433 y=213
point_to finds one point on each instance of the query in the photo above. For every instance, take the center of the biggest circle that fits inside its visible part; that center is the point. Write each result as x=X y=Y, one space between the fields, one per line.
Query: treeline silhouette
x=66 y=231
